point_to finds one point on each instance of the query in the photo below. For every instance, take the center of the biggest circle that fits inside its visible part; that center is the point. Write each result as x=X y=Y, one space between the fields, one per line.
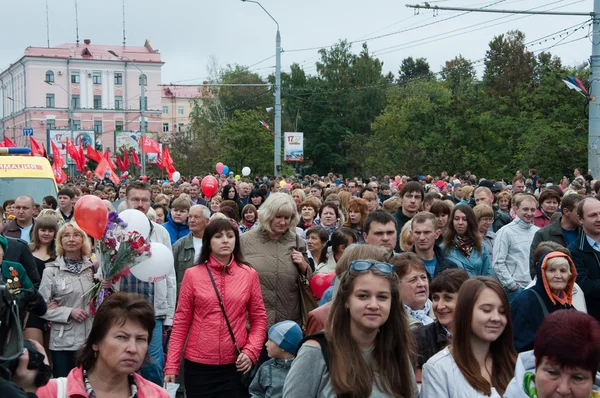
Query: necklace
x=92 y=394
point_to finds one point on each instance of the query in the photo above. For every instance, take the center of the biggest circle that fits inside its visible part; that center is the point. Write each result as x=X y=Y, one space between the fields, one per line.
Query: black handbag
x=245 y=378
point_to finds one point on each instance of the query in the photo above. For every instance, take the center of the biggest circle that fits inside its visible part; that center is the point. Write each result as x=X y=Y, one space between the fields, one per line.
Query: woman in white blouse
x=481 y=360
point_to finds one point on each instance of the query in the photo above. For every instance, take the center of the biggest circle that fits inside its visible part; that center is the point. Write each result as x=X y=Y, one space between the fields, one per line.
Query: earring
x=95 y=354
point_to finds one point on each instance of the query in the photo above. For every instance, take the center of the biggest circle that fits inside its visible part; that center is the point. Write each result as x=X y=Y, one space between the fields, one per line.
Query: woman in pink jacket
x=213 y=363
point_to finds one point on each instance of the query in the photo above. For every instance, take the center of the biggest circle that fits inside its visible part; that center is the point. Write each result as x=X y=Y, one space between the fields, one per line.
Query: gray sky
x=189 y=32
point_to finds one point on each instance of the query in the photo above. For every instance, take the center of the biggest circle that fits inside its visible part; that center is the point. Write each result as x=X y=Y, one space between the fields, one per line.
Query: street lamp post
x=277 y=91
x=71 y=127
x=142 y=106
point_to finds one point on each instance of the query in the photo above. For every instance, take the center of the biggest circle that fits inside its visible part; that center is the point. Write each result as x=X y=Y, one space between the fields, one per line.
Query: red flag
x=8 y=143
x=104 y=167
x=149 y=145
x=120 y=163
x=81 y=156
x=93 y=154
x=35 y=147
x=167 y=160
x=59 y=162
x=159 y=161
x=265 y=125
x=135 y=159
x=72 y=152
x=126 y=158
x=109 y=160
x=58 y=158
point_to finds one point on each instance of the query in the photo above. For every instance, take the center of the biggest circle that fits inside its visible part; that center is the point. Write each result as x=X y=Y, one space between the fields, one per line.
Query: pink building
x=177 y=102
x=100 y=90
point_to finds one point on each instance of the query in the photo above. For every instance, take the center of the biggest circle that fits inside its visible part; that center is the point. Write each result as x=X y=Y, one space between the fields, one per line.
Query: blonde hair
x=392 y=204
x=301 y=193
x=467 y=192
x=86 y=247
x=49 y=213
x=278 y=203
x=406 y=236
x=558 y=262
x=482 y=211
x=151 y=214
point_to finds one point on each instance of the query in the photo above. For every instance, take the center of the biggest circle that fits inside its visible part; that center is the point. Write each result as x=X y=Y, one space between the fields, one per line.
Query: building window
x=75 y=101
x=165 y=110
x=77 y=124
x=50 y=124
x=97 y=102
x=49 y=100
x=144 y=79
x=165 y=127
x=118 y=102
x=50 y=76
x=180 y=110
x=98 y=126
x=118 y=125
x=118 y=79
x=180 y=127
x=97 y=77
x=75 y=77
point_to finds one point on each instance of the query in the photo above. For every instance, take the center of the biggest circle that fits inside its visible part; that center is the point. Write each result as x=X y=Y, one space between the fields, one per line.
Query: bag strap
x=539 y=298
x=237 y=350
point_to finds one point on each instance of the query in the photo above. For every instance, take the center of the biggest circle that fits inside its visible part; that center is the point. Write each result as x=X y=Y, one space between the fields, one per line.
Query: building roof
x=182 y=91
x=86 y=50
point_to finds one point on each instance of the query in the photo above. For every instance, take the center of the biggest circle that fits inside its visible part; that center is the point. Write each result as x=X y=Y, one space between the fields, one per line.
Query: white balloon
x=136 y=221
x=176 y=176
x=155 y=268
x=246 y=171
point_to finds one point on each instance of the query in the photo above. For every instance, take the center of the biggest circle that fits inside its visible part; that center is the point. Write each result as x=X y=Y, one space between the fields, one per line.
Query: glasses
x=364 y=265
x=139 y=200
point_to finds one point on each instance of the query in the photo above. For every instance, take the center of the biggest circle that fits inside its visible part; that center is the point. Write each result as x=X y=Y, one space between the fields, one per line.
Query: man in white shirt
x=186 y=251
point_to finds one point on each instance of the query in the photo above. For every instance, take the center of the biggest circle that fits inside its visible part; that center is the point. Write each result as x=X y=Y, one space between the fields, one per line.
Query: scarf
x=247 y=224
x=74 y=266
x=421 y=315
x=464 y=244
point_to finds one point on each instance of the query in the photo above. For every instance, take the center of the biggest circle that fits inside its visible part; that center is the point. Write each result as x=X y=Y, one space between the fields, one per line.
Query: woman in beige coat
x=278 y=254
x=65 y=286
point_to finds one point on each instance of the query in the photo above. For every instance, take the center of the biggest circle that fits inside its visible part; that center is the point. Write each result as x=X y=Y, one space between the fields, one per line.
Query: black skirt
x=213 y=381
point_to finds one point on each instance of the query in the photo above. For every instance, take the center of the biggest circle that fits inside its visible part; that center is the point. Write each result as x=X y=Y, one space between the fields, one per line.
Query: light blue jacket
x=478 y=264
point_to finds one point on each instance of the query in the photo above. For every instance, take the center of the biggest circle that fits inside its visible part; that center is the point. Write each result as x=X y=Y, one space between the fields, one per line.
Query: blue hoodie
x=175 y=229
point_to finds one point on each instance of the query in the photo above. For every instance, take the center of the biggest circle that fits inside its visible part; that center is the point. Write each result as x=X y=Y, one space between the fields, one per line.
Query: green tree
x=412 y=69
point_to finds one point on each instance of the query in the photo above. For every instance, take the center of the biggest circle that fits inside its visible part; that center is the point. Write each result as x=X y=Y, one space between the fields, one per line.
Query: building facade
x=177 y=103
x=100 y=92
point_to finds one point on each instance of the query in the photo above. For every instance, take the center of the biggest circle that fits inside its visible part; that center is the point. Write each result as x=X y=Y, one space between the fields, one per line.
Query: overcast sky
x=189 y=32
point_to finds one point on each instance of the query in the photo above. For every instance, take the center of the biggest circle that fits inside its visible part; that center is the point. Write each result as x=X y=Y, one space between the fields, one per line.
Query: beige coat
x=68 y=289
x=278 y=275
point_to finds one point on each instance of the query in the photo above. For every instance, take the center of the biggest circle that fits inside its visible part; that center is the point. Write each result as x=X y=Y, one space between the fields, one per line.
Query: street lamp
x=277 y=91
x=142 y=106
x=71 y=127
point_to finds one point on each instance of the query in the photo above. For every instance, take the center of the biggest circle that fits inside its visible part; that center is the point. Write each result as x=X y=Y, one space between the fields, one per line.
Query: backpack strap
x=539 y=298
x=319 y=337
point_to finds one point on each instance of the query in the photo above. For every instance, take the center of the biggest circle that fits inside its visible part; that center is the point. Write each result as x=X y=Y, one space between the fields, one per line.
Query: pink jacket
x=76 y=388
x=199 y=315
x=540 y=220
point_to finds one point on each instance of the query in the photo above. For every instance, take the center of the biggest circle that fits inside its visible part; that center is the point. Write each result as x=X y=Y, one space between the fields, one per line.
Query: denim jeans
x=62 y=362
x=152 y=369
x=513 y=294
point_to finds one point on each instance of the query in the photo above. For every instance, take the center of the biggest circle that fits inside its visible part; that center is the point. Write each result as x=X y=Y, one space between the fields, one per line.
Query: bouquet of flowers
x=116 y=252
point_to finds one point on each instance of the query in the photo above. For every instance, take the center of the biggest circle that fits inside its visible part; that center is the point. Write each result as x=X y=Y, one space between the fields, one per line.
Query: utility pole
x=277 y=143
x=594 y=110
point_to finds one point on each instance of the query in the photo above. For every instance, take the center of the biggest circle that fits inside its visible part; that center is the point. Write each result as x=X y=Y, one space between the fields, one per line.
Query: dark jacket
x=552 y=233
x=430 y=340
x=442 y=262
x=12 y=229
x=401 y=219
x=587 y=262
x=183 y=254
x=19 y=252
x=526 y=310
x=500 y=220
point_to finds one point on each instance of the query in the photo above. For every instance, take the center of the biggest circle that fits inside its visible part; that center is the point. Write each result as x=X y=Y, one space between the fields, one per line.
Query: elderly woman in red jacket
x=213 y=362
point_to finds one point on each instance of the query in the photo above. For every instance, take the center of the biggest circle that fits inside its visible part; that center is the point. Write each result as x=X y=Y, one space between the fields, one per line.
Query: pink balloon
x=288 y=186
x=196 y=181
x=220 y=167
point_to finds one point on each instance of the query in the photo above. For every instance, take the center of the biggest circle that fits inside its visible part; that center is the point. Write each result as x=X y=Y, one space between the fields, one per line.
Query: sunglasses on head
x=365 y=265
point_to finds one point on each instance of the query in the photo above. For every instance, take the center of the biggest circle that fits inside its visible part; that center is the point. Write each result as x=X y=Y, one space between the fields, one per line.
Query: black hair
x=380 y=216
x=66 y=192
x=51 y=200
x=213 y=228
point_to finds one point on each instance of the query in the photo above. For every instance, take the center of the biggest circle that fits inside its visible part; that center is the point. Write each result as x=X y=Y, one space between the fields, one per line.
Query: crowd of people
x=445 y=286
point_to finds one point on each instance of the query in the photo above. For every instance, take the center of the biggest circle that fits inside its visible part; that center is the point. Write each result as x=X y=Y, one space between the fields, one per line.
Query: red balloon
x=321 y=282
x=209 y=186
x=89 y=173
x=91 y=215
x=144 y=178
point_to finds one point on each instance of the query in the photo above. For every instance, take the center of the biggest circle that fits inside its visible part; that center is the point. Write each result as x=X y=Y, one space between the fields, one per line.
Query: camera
x=11 y=334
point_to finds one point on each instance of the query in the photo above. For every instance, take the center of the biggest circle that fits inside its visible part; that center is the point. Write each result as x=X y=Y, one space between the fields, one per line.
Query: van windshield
x=37 y=188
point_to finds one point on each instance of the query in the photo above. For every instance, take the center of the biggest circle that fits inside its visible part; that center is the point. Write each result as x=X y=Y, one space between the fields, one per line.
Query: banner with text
x=293 y=147
x=59 y=137
x=131 y=140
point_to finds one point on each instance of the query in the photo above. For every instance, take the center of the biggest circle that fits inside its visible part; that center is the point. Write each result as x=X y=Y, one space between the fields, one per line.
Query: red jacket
x=540 y=219
x=198 y=313
x=76 y=388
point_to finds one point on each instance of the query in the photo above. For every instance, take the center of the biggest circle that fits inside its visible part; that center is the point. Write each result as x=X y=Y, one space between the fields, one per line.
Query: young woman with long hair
x=213 y=364
x=463 y=244
x=367 y=341
x=481 y=360
x=358 y=210
x=43 y=248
